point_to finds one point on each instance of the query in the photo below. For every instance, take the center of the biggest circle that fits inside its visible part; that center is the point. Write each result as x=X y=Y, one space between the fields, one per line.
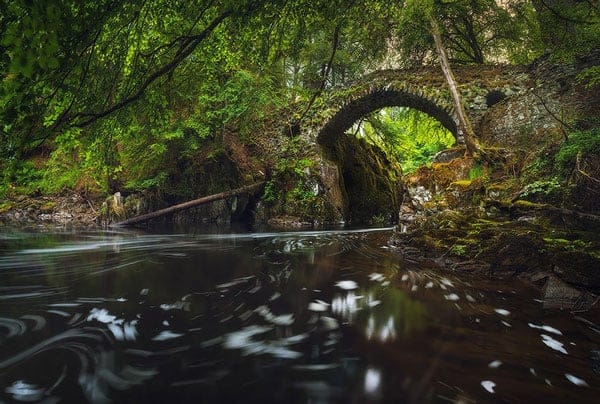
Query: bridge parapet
x=424 y=89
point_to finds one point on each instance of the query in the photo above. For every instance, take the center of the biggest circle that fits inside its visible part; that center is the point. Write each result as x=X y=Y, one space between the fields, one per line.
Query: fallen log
x=188 y=204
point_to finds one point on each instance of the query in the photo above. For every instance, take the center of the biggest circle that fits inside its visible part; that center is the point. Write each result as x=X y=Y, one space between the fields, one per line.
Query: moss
x=459 y=249
x=369 y=179
x=557 y=241
x=5 y=207
x=48 y=207
x=521 y=203
x=462 y=183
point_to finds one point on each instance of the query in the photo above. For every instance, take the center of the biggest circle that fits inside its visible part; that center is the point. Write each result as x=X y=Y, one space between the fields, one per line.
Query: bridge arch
x=375 y=100
x=358 y=174
x=368 y=181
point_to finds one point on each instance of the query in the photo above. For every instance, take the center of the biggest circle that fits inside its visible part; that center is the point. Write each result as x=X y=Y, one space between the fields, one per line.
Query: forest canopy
x=89 y=85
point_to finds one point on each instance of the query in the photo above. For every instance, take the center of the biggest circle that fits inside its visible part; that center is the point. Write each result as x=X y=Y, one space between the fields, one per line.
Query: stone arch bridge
x=358 y=179
x=423 y=88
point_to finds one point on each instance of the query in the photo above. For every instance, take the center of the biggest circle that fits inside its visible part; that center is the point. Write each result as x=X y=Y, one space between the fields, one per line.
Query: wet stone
x=558 y=294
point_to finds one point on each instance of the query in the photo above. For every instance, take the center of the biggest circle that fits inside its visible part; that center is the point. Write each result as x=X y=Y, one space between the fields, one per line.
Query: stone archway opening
x=371 y=139
x=408 y=136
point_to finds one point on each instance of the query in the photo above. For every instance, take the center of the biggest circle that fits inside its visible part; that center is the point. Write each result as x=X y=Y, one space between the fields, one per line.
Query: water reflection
x=372 y=382
x=383 y=313
x=307 y=316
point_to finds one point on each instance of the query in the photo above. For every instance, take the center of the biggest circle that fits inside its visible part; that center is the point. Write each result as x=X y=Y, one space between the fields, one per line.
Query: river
x=328 y=316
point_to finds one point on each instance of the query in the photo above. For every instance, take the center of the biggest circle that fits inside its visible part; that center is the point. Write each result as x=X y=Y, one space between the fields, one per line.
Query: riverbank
x=70 y=209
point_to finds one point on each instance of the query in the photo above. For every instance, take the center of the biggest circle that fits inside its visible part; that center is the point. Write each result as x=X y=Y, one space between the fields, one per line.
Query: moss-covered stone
x=5 y=207
x=48 y=207
x=502 y=248
x=369 y=181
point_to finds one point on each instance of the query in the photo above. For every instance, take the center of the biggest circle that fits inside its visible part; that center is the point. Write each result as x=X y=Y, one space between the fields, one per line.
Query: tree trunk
x=464 y=125
x=189 y=204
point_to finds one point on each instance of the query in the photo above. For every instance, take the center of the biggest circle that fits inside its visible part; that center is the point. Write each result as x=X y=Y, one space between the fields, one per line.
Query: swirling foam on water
x=281 y=316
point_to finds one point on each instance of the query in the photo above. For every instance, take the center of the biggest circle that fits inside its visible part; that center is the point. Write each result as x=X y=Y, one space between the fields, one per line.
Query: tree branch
x=334 y=46
x=181 y=55
x=557 y=14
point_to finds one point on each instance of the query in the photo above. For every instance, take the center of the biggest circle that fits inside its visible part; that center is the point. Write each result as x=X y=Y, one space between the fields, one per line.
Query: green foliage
x=28 y=175
x=472 y=31
x=476 y=172
x=579 y=143
x=569 y=28
x=244 y=100
x=271 y=193
x=99 y=95
x=410 y=136
x=5 y=206
x=290 y=180
x=459 y=249
x=541 y=187
x=590 y=77
x=550 y=175
x=569 y=245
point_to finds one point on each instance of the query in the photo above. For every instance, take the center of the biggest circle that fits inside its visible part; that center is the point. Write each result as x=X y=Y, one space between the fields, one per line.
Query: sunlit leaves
x=409 y=135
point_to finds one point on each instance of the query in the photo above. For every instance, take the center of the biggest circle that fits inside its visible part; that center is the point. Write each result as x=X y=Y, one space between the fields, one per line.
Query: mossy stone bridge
x=358 y=180
x=424 y=89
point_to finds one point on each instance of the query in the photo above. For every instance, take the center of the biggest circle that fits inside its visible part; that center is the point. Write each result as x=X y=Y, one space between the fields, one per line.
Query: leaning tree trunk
x=464 y=124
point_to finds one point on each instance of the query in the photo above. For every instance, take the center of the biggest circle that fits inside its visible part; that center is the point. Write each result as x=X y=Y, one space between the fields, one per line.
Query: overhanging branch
x=190 y=45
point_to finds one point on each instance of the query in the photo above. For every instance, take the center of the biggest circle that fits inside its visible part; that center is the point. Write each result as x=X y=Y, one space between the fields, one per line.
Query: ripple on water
x=260 y=312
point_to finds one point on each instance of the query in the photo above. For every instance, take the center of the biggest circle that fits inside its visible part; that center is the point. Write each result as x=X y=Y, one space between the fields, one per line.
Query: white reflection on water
x=576 y=380
x=554 y=344
x=244 y=340
x=267 y=314
x=345 y=306
x=502 y=312
x=388 y=331
x=166 y=335
x=102 y=315
x=447 y=282
x=488 y=385
x=347 y=285
x=318 y=306
x=495 y=364
x=372 y=381
x=121 y=329
x=373 y=312
x=23 y=391
x=546 y=328
x=329 y=323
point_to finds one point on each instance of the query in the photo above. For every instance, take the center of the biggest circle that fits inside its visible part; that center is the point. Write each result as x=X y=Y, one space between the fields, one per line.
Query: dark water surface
x=295 y=317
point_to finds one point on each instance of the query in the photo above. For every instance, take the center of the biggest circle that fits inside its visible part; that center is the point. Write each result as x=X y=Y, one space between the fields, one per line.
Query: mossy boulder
x=439 y=176
x=369 y=181
x=464 y=193
x=500 y=247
